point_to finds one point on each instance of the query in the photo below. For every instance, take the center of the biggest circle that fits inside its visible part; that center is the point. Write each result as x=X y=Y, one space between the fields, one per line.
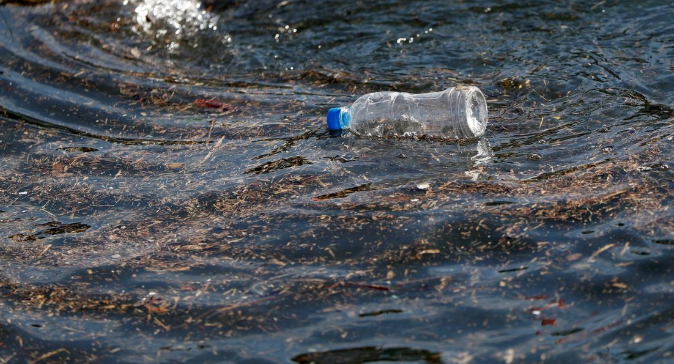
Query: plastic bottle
x=458 y=112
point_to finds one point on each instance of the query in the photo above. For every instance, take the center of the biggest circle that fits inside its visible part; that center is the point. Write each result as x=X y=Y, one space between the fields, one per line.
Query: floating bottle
x=458 y=112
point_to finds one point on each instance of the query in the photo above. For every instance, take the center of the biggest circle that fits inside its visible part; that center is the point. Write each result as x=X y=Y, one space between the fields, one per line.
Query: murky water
x=169 y=192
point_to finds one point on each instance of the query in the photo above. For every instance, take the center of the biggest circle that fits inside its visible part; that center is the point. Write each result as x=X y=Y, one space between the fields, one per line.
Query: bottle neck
x=345 y=117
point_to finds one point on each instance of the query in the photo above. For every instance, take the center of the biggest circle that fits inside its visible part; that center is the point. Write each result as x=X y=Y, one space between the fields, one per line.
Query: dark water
x=169 y=193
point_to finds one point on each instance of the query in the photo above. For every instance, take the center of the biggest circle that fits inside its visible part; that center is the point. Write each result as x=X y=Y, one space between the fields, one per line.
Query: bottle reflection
x=484 y=153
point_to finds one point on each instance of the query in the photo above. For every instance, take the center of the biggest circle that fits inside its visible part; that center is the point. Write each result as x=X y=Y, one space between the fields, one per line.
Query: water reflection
x=172 y=18
x=484 y=152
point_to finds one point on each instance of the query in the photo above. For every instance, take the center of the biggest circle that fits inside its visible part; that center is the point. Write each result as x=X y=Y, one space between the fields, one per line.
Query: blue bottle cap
x=338 y=118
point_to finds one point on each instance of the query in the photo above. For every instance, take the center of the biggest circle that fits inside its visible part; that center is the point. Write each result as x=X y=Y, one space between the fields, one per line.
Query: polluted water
x=170 y=192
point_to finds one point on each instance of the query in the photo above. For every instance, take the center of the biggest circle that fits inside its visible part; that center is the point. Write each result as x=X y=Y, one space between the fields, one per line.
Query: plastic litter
x=458 y=112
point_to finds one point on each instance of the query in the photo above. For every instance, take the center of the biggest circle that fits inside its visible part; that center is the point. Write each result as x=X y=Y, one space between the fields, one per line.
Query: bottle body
x=458 y=112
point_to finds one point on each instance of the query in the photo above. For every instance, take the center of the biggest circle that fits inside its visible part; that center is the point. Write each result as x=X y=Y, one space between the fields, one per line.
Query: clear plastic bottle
x=458 y=112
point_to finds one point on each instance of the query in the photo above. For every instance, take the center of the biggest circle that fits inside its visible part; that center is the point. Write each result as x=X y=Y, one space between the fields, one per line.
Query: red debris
x=548 y=322
x=212 y=104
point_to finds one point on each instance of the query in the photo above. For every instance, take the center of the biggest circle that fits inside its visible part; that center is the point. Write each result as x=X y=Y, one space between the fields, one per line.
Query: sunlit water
x=169 y=191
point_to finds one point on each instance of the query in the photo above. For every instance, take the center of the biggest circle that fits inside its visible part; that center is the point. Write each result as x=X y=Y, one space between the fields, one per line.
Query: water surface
x=169 y=192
